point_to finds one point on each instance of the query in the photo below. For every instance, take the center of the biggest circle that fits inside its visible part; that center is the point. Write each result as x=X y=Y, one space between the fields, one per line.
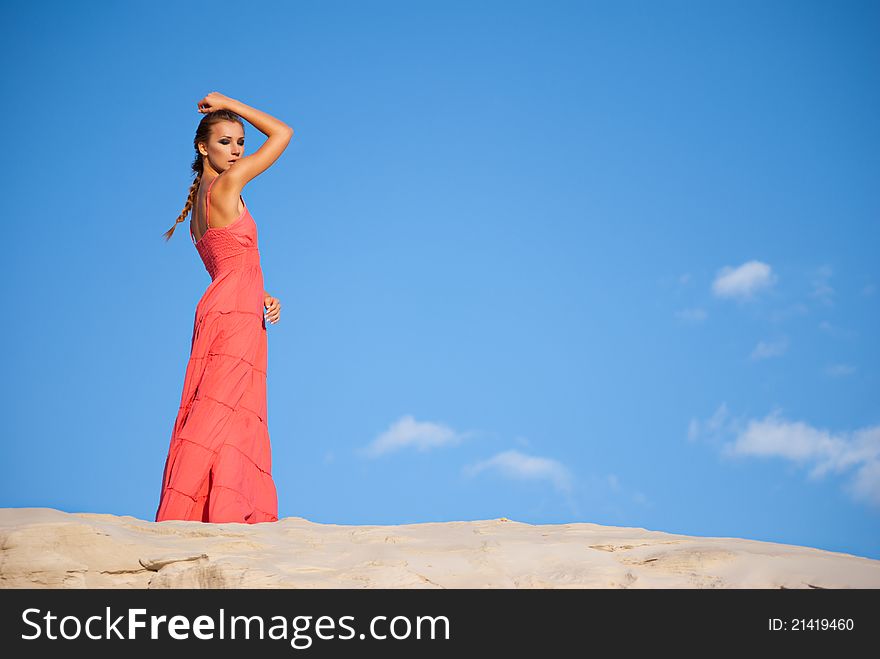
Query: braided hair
x=203 y=134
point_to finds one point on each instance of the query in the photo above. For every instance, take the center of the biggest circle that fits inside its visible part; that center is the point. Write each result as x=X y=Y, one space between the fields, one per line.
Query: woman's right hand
x=213 y=102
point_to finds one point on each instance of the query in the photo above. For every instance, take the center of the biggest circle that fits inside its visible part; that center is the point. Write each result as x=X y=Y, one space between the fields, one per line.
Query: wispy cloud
x=521 y=466
x=695 y=315
x=822 y=290
x=869 y=289
x=839 y=370
x=640 y=498
x=711 y=427
x=406 y=432
x=835 y=331
x=635 y=495
x=795 y=309
x=767 y=349
x=823 y=451
x=743 y=282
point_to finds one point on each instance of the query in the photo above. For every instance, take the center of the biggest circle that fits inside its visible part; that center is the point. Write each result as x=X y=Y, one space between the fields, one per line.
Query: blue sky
x=558 y=262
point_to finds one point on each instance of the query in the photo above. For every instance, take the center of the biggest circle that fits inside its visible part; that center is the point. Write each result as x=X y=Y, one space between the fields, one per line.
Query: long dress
x=219 y=464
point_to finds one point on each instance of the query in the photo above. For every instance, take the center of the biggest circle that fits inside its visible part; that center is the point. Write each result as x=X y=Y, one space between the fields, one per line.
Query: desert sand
x=48 y=548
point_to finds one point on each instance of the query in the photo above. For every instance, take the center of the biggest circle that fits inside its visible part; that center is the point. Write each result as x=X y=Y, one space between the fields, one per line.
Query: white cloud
x=795 y=309
x=863 y=486
x=640 y=498
x=521 y=466
x=840 y=370
x=767 y=349
x=712 y=426
x=835 y=331
x=622 y=492
x=822 y=290
x=744 y=281
x=406 y=432
x=821 y=450
x=691 y=315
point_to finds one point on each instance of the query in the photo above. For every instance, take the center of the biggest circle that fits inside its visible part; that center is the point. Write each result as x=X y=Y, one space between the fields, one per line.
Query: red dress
x=219 y=464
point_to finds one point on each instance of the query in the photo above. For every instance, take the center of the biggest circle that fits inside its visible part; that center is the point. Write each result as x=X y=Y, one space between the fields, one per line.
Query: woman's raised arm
x=248 y=167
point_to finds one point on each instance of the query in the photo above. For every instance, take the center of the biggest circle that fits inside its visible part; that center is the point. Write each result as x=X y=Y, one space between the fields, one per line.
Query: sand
x=48 y=548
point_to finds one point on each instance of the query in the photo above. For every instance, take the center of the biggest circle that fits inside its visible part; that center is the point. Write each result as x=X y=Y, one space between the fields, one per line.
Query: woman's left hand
x=273 y=308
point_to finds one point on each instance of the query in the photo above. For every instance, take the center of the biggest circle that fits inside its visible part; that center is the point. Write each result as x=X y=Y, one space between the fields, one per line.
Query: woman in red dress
x=219 y=464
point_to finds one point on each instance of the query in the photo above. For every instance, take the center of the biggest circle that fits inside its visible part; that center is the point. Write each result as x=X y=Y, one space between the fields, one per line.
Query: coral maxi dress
x=219 y=464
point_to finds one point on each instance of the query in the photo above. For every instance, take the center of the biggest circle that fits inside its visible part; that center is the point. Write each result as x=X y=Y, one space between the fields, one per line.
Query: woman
x=219 y=465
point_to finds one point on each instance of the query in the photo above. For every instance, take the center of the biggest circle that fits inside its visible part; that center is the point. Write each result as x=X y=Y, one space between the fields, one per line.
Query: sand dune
x=47 y=548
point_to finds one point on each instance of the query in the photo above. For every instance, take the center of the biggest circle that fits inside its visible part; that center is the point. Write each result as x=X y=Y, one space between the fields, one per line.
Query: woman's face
x=225 y=146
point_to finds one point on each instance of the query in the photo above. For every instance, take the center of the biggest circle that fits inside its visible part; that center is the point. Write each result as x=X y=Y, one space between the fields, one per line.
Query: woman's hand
x=273 y=308
x=213 y=102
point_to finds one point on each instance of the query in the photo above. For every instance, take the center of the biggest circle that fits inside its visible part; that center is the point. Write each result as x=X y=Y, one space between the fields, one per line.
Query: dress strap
x=208 y=209
x=208 y=203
